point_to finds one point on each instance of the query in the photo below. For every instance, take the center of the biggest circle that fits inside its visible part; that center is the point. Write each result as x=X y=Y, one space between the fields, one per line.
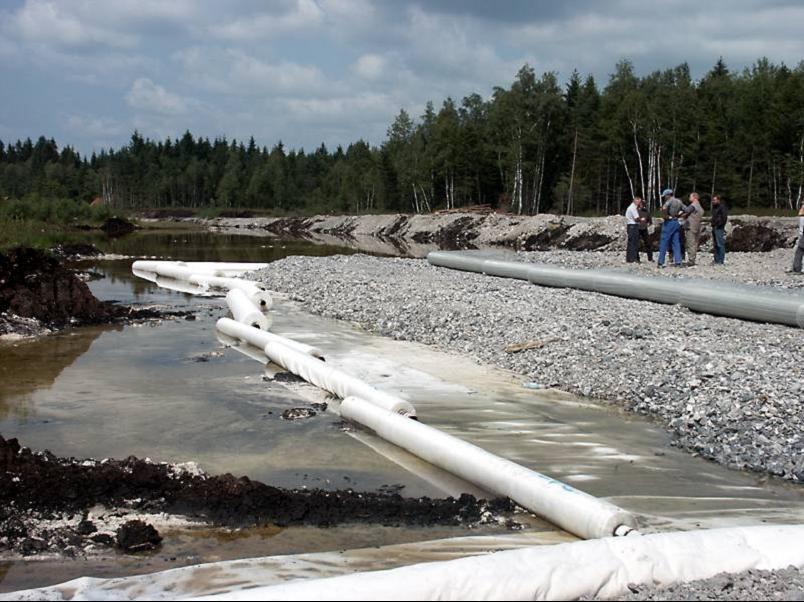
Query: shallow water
x=172 y=392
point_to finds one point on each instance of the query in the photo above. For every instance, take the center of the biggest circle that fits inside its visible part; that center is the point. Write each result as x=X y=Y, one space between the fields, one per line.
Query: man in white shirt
x=632 y=230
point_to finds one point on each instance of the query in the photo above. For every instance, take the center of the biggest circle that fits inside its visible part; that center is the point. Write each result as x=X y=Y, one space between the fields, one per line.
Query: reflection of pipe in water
x=180 y=286
x=438 y=478
x=314 y=371
x=249 y=351
x=571 y=509
x=720 y=299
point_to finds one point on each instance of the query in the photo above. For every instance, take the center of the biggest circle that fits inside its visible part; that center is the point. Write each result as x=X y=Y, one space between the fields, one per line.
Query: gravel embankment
x=729 y=390
x=786 y=584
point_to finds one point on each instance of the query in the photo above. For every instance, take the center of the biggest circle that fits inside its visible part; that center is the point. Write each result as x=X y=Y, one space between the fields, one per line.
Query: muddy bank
x=414 y=235
x=39 y=294
x=45 y=502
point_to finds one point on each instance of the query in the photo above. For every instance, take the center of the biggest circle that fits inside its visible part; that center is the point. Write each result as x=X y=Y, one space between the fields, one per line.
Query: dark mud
x=38 y=486
x=35 y=285
x=117 y=226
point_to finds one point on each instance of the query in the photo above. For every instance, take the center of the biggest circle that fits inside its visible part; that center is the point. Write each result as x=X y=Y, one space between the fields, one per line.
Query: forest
x=536 y=146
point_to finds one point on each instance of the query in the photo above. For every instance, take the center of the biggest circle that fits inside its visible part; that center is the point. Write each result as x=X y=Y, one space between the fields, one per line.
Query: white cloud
x=303 y=15
x=147 y=96
x=370 y=66
x=95 y=127
x=234 y=72
x=53 y=24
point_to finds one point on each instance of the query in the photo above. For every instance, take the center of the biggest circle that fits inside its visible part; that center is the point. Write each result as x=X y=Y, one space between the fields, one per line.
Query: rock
x=137 y=536
x=298 y=414
x=86 y=527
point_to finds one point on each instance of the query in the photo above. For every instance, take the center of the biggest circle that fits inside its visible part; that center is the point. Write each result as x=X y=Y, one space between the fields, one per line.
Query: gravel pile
x=786 y=584
x=729 y=390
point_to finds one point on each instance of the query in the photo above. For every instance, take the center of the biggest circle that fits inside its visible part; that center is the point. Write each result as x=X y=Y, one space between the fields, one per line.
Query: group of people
x=681 y=229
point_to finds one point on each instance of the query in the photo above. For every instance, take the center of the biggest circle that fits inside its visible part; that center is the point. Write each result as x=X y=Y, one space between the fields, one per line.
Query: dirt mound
x=35 y=285
x=117 y=226
x=754 y=237
x=41 y=484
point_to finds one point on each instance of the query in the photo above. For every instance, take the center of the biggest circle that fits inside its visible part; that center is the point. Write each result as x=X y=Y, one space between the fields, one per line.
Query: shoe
x=792 y=272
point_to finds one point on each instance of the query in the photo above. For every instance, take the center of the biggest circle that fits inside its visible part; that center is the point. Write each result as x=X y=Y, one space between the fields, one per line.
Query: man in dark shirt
x=645 y=220
x=719 y=218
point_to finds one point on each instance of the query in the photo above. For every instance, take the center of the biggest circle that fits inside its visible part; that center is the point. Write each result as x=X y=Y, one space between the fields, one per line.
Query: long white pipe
x=245 y=311
x=316 y=372
x=261 y=338
x=722 y=299
x=207 y=275
x=603 y=568
x=210 y=268
x=572 y=510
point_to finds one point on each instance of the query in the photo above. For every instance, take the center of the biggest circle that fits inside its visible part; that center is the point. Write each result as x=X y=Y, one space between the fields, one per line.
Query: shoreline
x=414 y=235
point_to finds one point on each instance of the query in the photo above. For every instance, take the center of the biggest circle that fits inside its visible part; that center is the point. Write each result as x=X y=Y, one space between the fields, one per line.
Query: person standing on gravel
x=719 y=218
x=693 y=213
x=632 y=231
x=799 y=254
x=645 y=220
x=671 y=210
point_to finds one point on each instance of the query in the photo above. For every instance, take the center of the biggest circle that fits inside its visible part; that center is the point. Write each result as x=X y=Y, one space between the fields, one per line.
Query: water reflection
x=28 y=366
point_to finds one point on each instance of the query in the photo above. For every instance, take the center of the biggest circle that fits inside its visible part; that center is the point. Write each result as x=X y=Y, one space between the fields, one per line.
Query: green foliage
x=531 y=147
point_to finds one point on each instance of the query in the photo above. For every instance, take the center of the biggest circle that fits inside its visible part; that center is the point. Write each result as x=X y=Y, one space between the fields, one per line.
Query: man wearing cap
x=671 y=210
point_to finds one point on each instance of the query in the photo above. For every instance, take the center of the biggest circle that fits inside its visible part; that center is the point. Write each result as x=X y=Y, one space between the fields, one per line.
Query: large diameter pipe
x=721 y=299
x=261 y=338
x=245 y=311
x=316 y=372
x=572 y=510
x=602 y=569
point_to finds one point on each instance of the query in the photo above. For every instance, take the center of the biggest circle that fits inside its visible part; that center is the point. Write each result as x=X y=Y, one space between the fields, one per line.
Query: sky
x=88 y=73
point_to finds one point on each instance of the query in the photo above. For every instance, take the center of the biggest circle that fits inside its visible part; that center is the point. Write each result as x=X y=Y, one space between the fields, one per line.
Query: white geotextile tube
x=252 y=289
x=316 y=372
x=260 y=338
x=209 y=268
x=245 y=311
x=207 y=275
x=603 y=568
x=575 y=511
x=706 y=296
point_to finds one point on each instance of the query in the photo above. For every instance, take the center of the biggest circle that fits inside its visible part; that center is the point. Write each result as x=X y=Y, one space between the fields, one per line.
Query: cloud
x=370 y=66
x=147 y=96
x=298 y=16
x=53 y=24
x=235 y=72
x=95 y=127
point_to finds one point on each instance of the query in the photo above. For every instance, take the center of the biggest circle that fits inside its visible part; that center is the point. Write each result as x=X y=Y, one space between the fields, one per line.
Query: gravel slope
x=786 y=584
x=729 y=390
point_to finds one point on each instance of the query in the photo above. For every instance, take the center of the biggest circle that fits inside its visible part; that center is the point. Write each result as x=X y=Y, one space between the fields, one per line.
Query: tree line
x=536 y=146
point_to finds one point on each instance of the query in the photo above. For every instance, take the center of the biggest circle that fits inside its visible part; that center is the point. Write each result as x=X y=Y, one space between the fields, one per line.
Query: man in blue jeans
x=718 y=220
x=671 y=229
